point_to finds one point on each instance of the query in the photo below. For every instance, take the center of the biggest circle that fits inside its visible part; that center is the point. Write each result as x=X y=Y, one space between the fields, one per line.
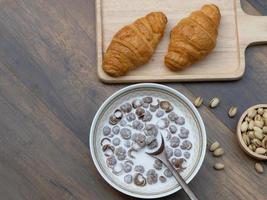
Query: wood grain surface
x=49 y=94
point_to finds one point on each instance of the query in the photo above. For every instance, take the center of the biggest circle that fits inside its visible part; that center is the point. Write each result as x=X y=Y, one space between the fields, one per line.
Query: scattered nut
x=214 y=146
x=232 y=111
x=259 y=168
x=198 y=102
x=214 y=102
x=218 y=152
x=218 y=166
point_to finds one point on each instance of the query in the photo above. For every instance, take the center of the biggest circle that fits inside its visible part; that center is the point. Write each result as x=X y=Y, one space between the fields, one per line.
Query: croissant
x=134 y=44
x=193 y=37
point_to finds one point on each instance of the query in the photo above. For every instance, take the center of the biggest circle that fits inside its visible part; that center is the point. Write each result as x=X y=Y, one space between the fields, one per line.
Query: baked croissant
x=193 y=37
x=134 y=44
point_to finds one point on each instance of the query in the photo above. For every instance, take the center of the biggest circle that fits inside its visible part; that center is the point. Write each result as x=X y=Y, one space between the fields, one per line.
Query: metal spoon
x=162 y=156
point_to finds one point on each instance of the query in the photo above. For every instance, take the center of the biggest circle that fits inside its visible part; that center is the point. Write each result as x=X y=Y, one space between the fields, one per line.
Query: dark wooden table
x=49 y=94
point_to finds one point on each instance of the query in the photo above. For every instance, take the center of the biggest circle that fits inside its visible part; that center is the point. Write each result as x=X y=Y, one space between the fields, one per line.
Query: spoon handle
x=180 y=180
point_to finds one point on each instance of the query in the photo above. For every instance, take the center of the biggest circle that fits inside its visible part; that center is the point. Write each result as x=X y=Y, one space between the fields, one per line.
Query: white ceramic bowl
x=193 y=121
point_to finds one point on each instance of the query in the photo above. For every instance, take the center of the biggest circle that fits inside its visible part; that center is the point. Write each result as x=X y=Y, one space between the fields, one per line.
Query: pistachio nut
x=264 y=115
x=218 y=166
x=264 y=142
x=251 y=125
x=244 y=127
x=259 y=168
x=251 y=135
x=218 y=152
x=232 y=111
x=261 y=150
x=257 y=142
x=246 y=139
x=257 y=118
x=260 y=111
x=253 y=147
x=198 y=102
x=214 y=102
x=247 y=119
x=215 y=145
x=264 y=130
x=252 y=113
x=258 y=133
x=258 y=123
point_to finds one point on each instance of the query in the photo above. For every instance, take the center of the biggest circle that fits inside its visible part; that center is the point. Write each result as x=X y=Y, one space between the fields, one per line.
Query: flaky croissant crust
x=193 y=37
x=134 y=44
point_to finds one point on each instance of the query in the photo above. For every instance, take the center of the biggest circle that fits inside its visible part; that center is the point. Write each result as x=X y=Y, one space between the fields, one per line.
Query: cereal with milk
x=133 y=129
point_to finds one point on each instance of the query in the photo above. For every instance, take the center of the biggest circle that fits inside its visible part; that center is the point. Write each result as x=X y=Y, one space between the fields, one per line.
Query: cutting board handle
x=254 y=29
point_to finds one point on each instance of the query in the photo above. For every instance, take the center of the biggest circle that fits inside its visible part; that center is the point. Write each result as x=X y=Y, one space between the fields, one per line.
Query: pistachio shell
x=261 y=151
x=253 y=147
x=264 y=142
x=251 y=125
x=259 y=168
x=264 y=115
x=258 y=133
x=257 y=142
x=214 y=146
x=218 y=152
x=247 y=119
x=257 y=118
x=198 y=102
x=214 y=102
x=244 y=126
x=264 y=130
x=251 y=113
x=246 y=139
x=251 y=135
x=218 y=166
x=232 y=111
x=258 y=124
x=260 y=111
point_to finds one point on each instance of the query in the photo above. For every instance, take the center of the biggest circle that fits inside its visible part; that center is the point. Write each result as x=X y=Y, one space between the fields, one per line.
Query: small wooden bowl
x=239 y=135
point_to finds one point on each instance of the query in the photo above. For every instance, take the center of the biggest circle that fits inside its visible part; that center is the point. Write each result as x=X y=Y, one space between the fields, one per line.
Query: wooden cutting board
x=226 y=62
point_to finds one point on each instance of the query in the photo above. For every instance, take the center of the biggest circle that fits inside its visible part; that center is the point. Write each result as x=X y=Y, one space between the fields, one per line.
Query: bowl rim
x=244 y=147
x=156 y=86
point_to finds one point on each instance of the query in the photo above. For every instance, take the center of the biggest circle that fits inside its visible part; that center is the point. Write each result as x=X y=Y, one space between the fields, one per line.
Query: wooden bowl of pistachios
x=252 y=131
